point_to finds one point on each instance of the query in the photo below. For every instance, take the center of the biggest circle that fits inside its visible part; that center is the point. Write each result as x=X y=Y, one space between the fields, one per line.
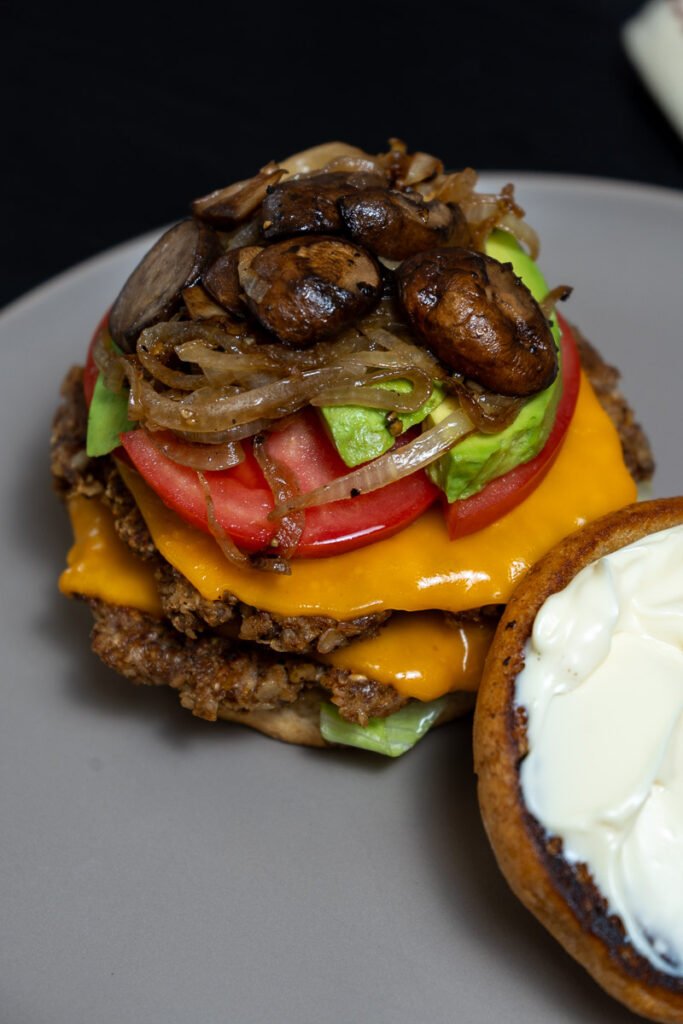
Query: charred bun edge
x=561 y=895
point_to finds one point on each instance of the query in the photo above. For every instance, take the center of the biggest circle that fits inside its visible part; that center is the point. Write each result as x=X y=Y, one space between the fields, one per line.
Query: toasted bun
x=300 y=722
x=292 y=723
x=561 y=896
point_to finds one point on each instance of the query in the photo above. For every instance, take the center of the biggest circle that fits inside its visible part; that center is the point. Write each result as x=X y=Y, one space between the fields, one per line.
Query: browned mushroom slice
x=394 y=225
x=479 y=319
x=309 y=289
x=308 y=206
x=229 y=206
x=222 y=282
x=153 y=291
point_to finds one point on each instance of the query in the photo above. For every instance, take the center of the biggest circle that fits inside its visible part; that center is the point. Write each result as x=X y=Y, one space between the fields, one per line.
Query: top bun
x=561 y=893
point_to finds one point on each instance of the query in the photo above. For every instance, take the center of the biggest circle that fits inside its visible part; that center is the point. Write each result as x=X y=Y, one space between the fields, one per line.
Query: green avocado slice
x=107 y=418
x=361 y=434
x=480 y=458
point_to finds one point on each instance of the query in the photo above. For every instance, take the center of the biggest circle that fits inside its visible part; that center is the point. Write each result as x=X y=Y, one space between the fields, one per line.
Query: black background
x=114 y=119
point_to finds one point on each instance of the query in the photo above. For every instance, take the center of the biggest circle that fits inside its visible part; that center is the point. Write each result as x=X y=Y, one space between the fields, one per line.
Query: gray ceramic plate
x=159 y=869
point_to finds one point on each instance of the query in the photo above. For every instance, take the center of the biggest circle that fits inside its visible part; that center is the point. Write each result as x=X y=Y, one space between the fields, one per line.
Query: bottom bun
x=299 y=722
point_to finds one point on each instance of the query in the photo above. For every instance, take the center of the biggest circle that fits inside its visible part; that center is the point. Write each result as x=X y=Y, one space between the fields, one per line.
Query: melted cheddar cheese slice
x=422 y=655
x=100 y=565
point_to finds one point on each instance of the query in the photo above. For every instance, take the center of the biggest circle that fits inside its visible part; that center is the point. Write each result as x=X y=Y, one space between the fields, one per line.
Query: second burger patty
x=206 y=649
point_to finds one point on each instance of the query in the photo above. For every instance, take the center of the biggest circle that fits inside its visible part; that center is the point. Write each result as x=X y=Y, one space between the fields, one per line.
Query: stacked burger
x=330 y=421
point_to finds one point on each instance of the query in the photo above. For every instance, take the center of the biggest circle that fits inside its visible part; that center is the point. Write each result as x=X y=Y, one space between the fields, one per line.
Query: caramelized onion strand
x=284 y=488
x=388 y=468
x=224 y=541
x=372 y=397
x=204 y=457
x=227 y=544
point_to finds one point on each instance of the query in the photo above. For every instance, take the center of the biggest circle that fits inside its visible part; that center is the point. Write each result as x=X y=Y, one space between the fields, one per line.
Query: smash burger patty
x=226 y=655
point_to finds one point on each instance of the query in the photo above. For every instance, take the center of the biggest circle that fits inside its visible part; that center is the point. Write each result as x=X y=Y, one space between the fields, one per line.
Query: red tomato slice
x=242 y=498
x=502 y=494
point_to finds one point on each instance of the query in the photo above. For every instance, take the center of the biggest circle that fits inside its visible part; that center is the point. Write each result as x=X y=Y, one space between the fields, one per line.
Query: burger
x=330 y=421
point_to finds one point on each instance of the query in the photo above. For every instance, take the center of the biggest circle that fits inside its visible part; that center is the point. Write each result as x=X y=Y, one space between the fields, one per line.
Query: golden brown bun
x=562 y=897
x=299 y=722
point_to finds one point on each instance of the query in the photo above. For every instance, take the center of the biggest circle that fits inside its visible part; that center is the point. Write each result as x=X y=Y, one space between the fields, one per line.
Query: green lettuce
x=391 y=736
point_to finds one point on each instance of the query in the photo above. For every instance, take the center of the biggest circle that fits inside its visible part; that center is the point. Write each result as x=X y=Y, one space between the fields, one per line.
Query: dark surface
x=113 y=125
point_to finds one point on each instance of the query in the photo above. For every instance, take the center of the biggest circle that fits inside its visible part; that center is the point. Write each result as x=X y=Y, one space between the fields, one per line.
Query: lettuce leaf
x=391 y=736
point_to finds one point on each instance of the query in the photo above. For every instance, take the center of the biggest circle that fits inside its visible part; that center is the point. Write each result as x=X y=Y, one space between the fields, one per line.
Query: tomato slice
x=242 y=498
x=501 y=495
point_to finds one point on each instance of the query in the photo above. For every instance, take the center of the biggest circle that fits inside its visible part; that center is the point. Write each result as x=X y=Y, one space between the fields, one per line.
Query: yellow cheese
x=101 y=565
x=423 y=655
x=419 y=568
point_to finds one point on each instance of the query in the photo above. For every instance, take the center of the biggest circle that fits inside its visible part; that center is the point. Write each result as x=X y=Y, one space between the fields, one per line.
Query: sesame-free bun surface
x=560 y=895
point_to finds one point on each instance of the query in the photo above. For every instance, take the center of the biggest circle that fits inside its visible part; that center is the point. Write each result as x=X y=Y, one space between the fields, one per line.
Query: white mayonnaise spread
x=603 y=690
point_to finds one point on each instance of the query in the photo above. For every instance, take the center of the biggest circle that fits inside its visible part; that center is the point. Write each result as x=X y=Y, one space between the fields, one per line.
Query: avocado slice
x=360 y=434
x=480 y=458
x=107 y=417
